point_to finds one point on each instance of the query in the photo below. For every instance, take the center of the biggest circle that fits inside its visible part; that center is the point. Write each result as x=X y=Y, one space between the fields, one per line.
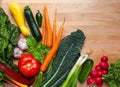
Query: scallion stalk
x=72 y=78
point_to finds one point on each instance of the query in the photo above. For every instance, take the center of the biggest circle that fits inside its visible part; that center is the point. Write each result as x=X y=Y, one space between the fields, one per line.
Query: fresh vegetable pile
x=45 y=58
x=40 y=55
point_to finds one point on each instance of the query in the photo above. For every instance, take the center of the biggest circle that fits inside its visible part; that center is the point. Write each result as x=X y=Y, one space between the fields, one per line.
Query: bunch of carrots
x=50 y=38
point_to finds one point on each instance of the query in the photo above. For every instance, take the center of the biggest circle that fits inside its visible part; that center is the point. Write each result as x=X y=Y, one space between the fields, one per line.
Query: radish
x=90 y=81
x=98 y=81
x=105 y=72
x=104 y=65
x=104 y=59
x=93 y=73
x=98 y=68
x=99 y=73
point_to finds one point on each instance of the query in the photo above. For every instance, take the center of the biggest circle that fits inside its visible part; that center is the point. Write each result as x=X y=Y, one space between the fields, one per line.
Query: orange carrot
x=43 y=32
x=54 y=27
x=53 y=50
x=48 y=27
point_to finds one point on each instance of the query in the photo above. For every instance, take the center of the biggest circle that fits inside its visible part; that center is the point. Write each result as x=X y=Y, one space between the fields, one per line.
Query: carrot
x=48 y=27
x=43 y=32
x=53 y=50
x=54 y=27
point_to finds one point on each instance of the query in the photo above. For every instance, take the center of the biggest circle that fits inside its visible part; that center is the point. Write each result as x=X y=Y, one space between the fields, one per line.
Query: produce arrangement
x=46 y=58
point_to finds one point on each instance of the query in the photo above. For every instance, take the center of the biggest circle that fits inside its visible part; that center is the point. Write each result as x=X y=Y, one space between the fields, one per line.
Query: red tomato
x=28 y=65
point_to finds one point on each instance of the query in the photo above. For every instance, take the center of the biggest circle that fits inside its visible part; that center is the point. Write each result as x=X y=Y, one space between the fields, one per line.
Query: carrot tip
x=45 y=8
x=64 y=20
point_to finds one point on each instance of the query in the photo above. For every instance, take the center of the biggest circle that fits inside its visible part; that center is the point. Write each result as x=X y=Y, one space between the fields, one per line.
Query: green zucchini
x=85 y=70
x=32 y=24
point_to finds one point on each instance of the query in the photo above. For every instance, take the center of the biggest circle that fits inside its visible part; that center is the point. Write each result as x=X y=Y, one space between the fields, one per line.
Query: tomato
x=28 y=65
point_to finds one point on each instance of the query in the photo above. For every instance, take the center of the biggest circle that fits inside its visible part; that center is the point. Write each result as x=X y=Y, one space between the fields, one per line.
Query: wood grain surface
x=99 y=20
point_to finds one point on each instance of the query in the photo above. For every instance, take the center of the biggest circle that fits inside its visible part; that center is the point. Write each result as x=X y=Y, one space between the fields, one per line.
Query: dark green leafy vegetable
x=13 y=33
x=3 y=46
x=9 y=35
x=3 y=31
x=113 y=76
x=36 y=48
x=67 y=54
x=9 y=51
x=3 y=17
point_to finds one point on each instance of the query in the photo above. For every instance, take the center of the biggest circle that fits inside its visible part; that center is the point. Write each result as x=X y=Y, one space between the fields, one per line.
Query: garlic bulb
x=22 y=44
x=17 y=52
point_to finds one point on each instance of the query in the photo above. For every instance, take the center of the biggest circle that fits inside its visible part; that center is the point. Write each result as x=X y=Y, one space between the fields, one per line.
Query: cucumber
x=32 y=24
x=85 y=70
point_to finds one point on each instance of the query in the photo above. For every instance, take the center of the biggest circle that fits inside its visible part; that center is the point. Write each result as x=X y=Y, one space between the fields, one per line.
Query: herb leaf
x=113 y=76
x=37 y=49
x=31 y=42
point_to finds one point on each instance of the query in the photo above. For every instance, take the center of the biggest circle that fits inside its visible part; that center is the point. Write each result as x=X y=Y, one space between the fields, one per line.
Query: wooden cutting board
x=99 y=20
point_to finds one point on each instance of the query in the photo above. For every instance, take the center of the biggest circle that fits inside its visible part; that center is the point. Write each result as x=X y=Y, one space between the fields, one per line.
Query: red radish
x=99 y=73
x=98 y=68
x=98 y=81
x=104 y=59
x=104 y=65
x=90 y=81
x=104 y=72
x=93 y=73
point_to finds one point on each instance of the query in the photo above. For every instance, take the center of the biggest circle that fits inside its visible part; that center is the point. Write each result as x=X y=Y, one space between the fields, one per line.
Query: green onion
x=72 y=78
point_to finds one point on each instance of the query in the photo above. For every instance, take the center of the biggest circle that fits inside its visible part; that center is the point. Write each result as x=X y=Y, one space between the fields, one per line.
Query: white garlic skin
x=22 y=44
x=17 y=52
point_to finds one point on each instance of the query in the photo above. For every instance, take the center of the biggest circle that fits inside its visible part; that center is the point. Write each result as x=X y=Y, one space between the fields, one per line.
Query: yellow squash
x=16 y=10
